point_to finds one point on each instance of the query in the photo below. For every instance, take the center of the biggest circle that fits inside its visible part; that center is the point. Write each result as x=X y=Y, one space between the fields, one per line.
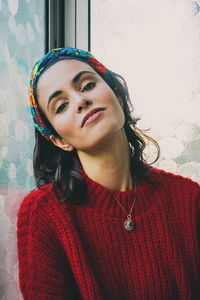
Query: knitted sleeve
x=43 y=271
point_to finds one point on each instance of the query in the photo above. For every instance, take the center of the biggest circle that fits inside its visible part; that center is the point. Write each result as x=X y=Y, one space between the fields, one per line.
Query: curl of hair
x=61 y=168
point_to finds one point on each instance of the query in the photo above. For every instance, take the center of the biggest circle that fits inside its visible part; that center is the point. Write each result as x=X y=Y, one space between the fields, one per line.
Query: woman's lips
x=93 y=117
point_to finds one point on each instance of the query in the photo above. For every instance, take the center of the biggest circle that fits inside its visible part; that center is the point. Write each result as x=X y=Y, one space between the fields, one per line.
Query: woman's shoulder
x=36 y=199
x=174 y=180
x=176 y=190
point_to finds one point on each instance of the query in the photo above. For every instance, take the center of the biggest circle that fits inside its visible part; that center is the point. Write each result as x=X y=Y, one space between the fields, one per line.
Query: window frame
x=67 y=24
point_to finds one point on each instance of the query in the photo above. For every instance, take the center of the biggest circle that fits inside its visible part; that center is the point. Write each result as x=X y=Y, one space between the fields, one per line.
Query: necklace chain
x=129 y=224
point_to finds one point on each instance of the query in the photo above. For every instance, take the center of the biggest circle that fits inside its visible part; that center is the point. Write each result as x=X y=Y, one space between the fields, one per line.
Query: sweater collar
x=104 y=200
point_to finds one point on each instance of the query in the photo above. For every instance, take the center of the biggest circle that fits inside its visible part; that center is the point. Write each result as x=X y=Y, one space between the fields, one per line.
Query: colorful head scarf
x=45 y=62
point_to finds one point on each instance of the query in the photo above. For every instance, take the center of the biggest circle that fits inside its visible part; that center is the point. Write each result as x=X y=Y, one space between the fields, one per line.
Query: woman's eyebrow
x=74 y=81
x=55 y=94
x=78 y=76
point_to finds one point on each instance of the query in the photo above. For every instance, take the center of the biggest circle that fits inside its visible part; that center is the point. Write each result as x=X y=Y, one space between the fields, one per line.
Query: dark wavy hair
x=62 y=168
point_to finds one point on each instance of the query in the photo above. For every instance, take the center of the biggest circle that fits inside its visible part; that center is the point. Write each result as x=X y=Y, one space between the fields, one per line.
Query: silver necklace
x=129 y=224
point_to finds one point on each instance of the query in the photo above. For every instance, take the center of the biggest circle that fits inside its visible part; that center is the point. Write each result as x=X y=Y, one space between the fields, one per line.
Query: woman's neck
x=110 y=167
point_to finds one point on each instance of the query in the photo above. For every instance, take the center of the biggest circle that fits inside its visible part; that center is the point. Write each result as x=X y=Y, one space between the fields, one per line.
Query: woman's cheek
x=67 y=127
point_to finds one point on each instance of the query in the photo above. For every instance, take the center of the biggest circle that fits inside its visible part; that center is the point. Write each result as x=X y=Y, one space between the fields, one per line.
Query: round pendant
x=129 y=224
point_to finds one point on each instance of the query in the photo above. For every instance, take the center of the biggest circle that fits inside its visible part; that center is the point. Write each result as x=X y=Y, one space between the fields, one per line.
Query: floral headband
x=46 y=61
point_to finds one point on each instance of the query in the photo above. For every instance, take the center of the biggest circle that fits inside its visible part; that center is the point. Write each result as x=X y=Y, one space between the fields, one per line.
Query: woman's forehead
x=68 y=67
x=61 y=72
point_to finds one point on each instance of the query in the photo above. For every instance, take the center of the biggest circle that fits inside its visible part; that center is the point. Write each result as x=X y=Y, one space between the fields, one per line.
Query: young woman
x=102 y=224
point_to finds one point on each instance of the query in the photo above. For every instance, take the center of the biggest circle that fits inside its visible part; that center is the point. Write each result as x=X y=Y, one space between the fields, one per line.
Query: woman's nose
x=84 y=103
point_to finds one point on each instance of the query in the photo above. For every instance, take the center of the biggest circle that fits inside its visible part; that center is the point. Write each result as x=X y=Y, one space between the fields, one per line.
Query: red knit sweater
x=84 y=252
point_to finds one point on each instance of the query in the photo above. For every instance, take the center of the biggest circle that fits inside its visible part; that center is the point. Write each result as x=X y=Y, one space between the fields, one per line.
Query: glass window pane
x=155 y=45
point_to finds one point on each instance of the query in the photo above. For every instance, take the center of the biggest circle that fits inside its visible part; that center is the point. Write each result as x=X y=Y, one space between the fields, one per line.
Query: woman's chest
x=154 y=261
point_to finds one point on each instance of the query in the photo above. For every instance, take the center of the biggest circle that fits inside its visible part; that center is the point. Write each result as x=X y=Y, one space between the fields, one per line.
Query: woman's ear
x=61 y=143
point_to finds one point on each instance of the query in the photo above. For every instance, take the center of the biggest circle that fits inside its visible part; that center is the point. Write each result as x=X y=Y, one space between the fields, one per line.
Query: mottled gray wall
x=21 y=44
x=155 y=46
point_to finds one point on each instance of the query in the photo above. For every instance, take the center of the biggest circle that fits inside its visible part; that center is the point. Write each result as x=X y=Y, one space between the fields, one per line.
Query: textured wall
x=21 y=43
x=155 y=46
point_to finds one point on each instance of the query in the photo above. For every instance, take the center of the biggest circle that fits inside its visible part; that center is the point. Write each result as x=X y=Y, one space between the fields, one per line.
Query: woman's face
x=67 y=92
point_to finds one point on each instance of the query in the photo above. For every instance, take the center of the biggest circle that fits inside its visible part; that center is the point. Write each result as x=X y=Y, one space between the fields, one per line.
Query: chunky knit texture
x=67 y=251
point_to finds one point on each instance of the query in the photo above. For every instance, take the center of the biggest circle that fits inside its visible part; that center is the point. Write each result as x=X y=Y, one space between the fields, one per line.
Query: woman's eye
x=61 y=107
x=88 y=86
